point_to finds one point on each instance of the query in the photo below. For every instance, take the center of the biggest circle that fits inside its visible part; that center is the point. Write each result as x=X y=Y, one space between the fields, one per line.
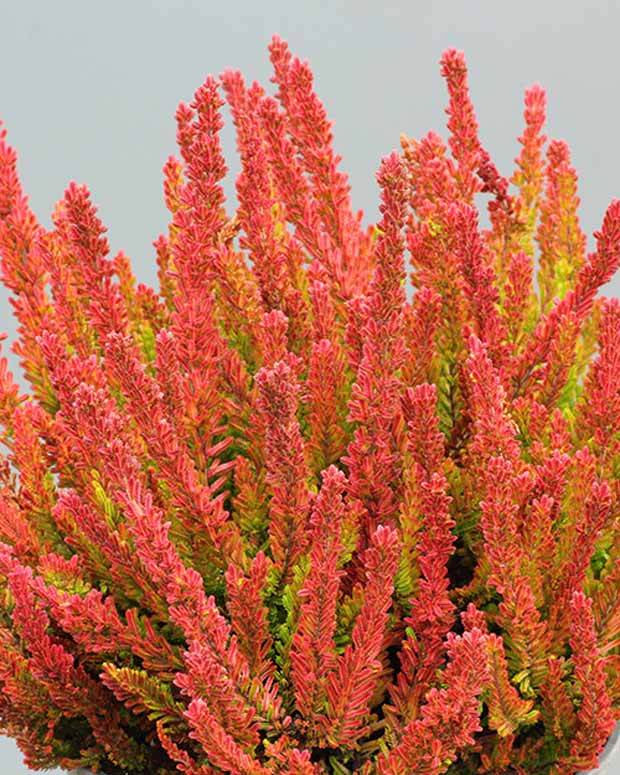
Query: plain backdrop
x=88 y=92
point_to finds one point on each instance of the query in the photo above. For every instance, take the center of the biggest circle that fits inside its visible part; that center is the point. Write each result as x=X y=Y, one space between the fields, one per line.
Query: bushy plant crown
x=280 y=515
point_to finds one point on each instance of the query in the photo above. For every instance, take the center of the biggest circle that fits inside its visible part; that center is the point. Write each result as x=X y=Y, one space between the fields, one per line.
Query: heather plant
x=290 y=512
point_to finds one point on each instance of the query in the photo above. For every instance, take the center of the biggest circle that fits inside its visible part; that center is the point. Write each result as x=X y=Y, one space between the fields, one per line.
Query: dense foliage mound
x=282 y=516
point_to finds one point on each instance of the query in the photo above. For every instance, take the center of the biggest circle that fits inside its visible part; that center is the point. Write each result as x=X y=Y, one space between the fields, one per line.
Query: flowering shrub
x=279 y=517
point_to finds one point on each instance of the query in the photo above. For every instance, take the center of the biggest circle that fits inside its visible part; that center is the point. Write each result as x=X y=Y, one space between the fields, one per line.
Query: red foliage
x=278 y=516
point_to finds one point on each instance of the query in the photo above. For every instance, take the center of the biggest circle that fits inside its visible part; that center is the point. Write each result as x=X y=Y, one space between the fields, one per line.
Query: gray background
x=88 y=92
